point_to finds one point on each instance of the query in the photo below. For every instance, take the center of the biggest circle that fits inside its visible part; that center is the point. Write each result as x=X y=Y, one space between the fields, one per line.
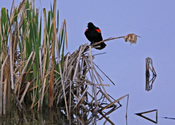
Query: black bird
x=93 y=34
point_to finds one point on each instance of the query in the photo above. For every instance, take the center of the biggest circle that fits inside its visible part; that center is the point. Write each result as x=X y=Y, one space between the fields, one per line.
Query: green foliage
x=34 y=36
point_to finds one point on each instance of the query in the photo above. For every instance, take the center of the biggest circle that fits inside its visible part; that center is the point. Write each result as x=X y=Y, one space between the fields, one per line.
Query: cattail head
x=132 y=38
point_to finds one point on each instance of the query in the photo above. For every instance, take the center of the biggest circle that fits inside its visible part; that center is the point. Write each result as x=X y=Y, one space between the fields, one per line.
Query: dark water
x=57 y=117
x=36 y=118
x=53 y=117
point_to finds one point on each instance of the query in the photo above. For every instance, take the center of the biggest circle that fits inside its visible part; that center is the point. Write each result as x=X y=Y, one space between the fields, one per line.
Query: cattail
x=132 y=38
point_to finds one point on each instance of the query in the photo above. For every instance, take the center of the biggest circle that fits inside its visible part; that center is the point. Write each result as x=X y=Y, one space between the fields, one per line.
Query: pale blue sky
x=154 y=21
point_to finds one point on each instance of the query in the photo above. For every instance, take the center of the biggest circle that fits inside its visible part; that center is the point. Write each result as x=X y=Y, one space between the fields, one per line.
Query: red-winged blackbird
x=93 y=34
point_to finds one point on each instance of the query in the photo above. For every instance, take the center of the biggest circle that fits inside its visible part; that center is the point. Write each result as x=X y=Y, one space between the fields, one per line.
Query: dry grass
x=35 y=72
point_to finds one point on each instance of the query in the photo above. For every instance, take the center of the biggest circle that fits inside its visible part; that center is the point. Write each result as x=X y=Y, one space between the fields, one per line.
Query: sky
x=154 y=21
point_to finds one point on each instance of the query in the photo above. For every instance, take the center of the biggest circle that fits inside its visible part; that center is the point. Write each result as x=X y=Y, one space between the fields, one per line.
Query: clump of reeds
x=35 y=72
x=29 y=67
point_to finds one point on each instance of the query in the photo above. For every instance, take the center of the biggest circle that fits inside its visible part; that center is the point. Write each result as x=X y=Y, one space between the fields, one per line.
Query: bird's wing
x=98 y=30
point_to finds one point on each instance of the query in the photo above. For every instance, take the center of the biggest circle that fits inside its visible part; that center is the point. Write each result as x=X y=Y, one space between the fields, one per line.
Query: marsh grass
x=28 y=63
x=35 y=73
